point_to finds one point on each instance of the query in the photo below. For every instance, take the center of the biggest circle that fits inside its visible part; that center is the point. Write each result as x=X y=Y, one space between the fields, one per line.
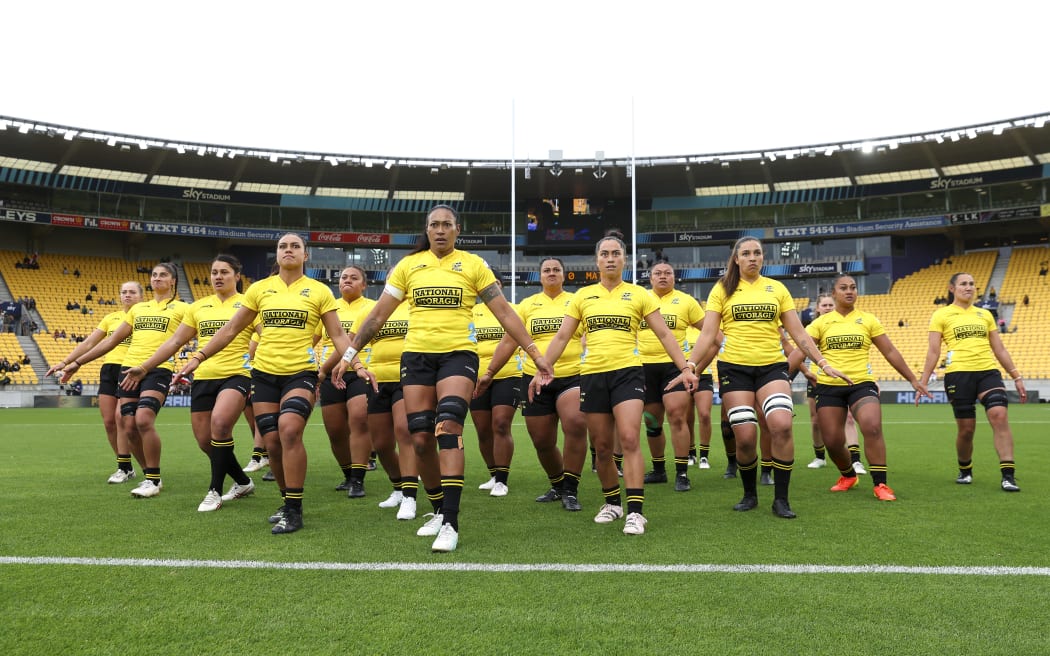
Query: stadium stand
x=54 y=286
x=911 y=300
x=12 y=351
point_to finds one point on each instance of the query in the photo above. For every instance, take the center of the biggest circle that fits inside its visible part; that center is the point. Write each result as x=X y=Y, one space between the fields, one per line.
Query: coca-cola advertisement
x=364 y=238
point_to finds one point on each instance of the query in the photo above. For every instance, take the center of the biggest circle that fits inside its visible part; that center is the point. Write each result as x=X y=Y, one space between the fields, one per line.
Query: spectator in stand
x=94 y=287
x=1024 y=301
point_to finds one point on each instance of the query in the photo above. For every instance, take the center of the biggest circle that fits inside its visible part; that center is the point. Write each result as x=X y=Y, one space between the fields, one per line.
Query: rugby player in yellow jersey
x=440 y=362
x=845 y=337
x=679 y=311
x=109 y=378
x=149 y=324
x=220 y=385
x=559 y=400
x=289 y=305
x=703 y=400
x=824 y=305
x=387 y=421
x=345 y=408
x=492 y=411
x=612 y=385
x=752 y=368
x=974 y=346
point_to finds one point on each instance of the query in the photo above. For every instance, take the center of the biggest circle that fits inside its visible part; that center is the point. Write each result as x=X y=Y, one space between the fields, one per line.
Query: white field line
x=499 y=568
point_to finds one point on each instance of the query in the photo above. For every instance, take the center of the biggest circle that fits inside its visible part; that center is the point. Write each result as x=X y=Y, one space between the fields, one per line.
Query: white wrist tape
x=348 y=356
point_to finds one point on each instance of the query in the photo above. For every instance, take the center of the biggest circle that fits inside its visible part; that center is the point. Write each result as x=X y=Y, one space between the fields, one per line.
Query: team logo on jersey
x=769 y=288
x=965 y=332
x=859 y=321
x=755 y=312
x=626 y=296
x=305 y=292
x=209 y=328
x=159 y=324
x=457 y=266
x=489 y=334
x=237 y=305
x=844 y=342
x=284 y=318
x=392 y=329
x=675 y=301
x=544 y=325
x=437 y=297
x=609 y=322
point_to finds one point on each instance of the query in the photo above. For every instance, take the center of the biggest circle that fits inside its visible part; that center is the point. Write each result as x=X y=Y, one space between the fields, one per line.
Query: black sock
x=611 y=496
x=618 y=460
x=1006 y=468
x=124 y=462
x=293 y=498
x=570 y=483
x=635 y=499
x=966 y=467
x=152 y=474
x=782 y=478
x=452 y=486
x=692 y=452
x=821 y=452
x=502 y=473
x=347 y=470
x=409 y=486
x=436 y=496
x=557 y=482
x=705 y=451
x=749 y=477
x=681 y=465
x=357 y=473
x=767 y=466
x=659 y=464
x=854 y=452
x=878 y=474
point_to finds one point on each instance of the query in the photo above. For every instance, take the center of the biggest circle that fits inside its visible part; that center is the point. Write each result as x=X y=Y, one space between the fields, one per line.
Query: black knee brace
x=451 y=410
x=421 y=422
x=128 y=409
x=149 y=403
x=996 y=398
x=297 y=405
x=266 y=423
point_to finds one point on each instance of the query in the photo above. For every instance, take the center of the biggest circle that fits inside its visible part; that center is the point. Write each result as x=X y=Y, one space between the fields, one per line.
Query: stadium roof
x=58 y=149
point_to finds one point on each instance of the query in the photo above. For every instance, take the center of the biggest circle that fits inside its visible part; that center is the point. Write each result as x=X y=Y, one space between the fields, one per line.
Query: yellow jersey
x=692 y=333
x=382 y=355
x=441 y=293
x=488 y=331
x=109 y=324
x=542 y=316
x=680 y=311
x=152 y=323
x=289 y=315
x=751 y=320
x=965 y=333
x=611 y=319
x=845 y=341
x=207 y=316
x=350 y=315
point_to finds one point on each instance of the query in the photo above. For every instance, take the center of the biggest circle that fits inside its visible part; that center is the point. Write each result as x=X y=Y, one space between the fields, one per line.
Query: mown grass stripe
x=499 y=568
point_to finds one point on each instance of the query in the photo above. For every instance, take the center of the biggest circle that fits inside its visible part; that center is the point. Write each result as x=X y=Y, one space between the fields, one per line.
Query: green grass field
x=332 y=588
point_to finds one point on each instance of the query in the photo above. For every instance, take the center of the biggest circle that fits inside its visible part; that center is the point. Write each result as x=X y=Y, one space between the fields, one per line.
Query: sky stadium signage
x=697 y=236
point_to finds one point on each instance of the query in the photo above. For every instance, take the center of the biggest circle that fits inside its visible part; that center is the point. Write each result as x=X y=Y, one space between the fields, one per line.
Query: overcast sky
x=440 y=79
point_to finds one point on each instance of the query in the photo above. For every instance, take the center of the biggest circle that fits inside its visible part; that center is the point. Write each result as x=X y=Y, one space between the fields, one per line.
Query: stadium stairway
x=36 y=361
x=1002 y=263
x=183 y=289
